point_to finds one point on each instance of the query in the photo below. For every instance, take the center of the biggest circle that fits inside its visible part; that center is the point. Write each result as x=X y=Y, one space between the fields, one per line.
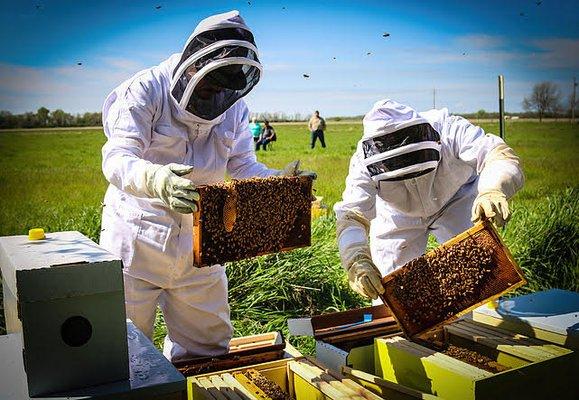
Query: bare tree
x=546 y=97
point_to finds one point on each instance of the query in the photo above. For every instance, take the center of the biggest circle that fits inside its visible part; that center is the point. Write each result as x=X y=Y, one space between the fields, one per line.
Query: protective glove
x=492 y=205
x=165 y=182
x=292 y=169
x=365 y=278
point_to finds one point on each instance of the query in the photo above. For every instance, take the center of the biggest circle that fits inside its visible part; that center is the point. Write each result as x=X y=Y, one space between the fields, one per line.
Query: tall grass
x=52 y=179
x=545 y=241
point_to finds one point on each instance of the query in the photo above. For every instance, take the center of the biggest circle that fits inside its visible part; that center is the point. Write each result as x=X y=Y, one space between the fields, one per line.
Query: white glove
x=492 y=205
x=292 y=169
x=352 y=231
x=365 y=278
x=165 y=182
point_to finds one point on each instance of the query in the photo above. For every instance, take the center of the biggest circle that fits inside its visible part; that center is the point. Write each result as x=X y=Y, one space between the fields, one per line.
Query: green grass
x=52 y=179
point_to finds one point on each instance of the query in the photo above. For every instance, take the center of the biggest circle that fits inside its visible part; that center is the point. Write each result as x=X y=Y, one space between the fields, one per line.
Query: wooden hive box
x=243 y=351
x=551 y=315
x=300 y=379
x=247 y=218
x=416 y=294
x=536 y=369
x=346 y=338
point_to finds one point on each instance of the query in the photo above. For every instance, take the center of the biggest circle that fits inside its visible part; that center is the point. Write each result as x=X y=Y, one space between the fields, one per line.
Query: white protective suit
x=144 y=125
x=399 y=214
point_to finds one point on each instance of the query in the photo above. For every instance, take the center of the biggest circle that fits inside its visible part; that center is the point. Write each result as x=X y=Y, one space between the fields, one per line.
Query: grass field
x=52 y=179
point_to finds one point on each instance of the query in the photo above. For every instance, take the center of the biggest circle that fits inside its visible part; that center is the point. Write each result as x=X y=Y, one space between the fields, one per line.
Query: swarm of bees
x=245 y=218
x=436 y=286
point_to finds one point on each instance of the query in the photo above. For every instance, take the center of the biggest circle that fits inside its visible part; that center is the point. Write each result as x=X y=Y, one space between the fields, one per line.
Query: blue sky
x=457 y=47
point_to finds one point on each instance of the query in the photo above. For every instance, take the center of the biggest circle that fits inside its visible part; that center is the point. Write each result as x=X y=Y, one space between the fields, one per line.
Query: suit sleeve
x=127 y=123
x=496 y=163
x=357 y=207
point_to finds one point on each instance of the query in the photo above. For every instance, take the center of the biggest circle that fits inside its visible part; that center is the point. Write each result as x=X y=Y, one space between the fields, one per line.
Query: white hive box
x=65 y=294
x=152 y=376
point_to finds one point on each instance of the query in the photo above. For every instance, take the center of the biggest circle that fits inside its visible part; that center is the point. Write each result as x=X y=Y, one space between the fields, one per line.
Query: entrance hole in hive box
x=246 y=218
x=457 y=276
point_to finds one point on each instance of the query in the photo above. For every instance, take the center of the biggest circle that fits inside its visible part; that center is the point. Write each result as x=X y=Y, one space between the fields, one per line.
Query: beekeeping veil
x=398 y=143
x=218 y=66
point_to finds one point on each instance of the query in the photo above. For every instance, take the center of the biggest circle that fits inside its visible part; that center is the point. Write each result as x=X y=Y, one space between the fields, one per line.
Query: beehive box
x=346 y=338
x=243 y=351
x=300 y=379
x=247 y=218
x=514 y=366
x=152 y=377
x=551 y=315
x=461 y=274
x=384 y=388
x=57 y=291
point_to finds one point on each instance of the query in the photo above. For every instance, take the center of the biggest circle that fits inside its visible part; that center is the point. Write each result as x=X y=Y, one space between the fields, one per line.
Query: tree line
x=545 y=101
x=44 y=118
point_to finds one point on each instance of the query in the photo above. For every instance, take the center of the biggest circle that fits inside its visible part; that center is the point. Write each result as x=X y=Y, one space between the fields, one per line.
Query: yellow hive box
x=536 y=369
x=301 y=379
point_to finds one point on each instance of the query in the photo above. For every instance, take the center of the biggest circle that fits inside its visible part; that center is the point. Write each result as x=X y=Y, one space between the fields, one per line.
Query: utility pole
x=434 y=98
x=573 y=101
x=502 y=106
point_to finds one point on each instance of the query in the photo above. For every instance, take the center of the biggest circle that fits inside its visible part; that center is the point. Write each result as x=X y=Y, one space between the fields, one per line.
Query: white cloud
x=481 y=41
x=557 y=53
x=71 y=88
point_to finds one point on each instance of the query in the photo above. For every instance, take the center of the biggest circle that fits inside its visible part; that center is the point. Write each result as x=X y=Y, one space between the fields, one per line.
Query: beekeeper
x=169 y=129
x=413 y=174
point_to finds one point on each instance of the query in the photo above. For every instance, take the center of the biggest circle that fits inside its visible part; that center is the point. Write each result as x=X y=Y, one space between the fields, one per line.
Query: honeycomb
x=434 y=288
x=244 y=218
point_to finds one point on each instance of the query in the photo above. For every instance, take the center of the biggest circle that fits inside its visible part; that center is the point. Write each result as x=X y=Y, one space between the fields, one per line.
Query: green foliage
x=52 y=179
x=545 y=241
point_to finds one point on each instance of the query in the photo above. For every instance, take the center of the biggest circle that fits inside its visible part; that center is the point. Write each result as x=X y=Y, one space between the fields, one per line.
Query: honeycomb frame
x=262 y=216
x=505 y=275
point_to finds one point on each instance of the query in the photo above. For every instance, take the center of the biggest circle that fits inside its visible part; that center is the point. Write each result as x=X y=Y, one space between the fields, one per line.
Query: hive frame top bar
x=484 y=225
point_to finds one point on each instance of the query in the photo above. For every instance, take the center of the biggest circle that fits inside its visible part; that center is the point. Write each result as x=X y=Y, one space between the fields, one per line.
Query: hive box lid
x=37 y=264
x=554 y=310
x=342 y=323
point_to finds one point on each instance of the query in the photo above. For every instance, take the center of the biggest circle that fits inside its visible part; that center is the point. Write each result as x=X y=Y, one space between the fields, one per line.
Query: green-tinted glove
x=365 y=278
x=292 y=169
x=165 y=182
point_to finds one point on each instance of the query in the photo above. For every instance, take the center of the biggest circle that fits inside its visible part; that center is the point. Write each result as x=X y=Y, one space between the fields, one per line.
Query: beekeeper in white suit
x=413 y=174
x=171 y=128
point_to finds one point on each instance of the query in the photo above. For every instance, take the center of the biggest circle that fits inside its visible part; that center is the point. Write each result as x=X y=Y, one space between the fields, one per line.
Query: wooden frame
x=505 y=268
x=299 y=236
x=243 y=351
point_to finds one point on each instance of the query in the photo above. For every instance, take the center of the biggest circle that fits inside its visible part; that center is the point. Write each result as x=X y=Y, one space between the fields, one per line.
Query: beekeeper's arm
x=500 y=173
x=242 y=160
x=354 y=213
x=127 y=123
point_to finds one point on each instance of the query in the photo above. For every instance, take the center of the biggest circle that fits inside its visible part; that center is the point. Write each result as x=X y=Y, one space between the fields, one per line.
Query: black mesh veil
x=217 y=68
x=406 y=153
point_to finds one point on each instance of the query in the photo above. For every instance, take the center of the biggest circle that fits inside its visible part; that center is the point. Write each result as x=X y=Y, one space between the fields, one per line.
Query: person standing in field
x=255 y=128
x=317 y=126
x=169 y=129
x=268 y=135
x=413 y=174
